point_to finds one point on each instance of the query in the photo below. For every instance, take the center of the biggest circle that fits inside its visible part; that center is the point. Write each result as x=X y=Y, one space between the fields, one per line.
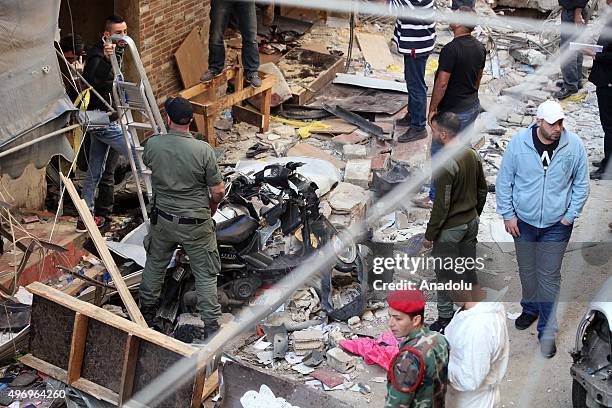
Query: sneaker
x=524 y=321
x=253 y=79
x=548 y=348
x=405 y=121
x=412 y=134
x=565 y=92
x=440 y=324
x=209 y=75
x=150 y=315
x=80 y=226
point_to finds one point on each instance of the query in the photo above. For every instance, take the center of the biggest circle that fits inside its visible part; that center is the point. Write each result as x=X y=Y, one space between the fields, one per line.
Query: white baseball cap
x=550 y=111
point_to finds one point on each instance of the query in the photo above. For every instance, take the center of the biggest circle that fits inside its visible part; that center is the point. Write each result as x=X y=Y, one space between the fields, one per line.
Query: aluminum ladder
x=130 y=97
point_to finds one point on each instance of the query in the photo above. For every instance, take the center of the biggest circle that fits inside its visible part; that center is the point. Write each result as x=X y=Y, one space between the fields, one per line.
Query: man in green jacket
x=187 y=184
x=453 y=224
x=418 y=375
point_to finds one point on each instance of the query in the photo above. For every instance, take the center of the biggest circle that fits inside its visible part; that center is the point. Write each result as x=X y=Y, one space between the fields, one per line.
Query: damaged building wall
x=27 y=191
x=163 y=27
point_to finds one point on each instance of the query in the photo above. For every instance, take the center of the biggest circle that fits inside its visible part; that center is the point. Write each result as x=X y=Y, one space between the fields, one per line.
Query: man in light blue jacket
x=541 y=188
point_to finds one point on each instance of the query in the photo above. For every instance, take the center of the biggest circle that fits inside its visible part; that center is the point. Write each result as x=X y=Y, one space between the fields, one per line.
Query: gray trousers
x=459 y=241
x=200 y=244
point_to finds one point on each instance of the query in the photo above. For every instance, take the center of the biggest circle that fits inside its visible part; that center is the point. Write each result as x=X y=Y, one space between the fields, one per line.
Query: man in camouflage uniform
x=187 y=188
x=417 y=376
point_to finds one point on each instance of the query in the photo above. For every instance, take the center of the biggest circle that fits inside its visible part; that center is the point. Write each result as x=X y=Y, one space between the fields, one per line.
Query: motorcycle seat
x=236 y=230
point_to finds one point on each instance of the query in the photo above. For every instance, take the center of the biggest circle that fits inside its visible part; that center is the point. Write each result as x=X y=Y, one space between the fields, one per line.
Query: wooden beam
x=106 y=317
x=211 y=384
x=129 y=368
x=96 y=390
x=53 y=371
x=105 y=254
x=200 y=88
x=74 y=287
x=77 y=347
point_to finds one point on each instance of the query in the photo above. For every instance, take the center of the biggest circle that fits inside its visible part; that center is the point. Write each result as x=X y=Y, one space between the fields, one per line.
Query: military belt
x=180 y=220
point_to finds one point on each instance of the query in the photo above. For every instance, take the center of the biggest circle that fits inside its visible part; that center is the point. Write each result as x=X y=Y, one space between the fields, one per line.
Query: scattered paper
x=293 y=358
x=261 y=344
x=302 y=369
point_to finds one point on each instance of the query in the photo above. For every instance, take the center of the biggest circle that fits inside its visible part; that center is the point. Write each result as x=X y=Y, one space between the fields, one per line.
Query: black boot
x=210 y=329
x=150 y=315
x=440 y=324
x=524 y=321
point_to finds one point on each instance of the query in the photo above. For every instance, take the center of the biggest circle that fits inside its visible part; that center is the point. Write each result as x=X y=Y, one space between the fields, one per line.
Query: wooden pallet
x=207 y=105
x=102 y=354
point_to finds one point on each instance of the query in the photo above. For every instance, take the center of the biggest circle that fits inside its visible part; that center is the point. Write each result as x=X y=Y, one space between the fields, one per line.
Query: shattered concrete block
x=357 y=172
x=515 y=118
x=380 y=313
x=340 y=360
x=412 y=154
x=305 y=341
x=529 y=56
x=335 y=338
x=354 y=151
x=367 y=316
x=380 y=161
x=349 y=199
x=354 y=323
x=355 y=137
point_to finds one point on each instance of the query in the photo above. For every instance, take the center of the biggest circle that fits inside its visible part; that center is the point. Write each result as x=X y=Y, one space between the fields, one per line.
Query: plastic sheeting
x=33 y=101
x=381 y=351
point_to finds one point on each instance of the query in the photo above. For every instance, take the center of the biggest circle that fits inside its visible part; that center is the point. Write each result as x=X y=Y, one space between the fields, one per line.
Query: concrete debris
x=367 y=316
x=118 y=310
x=304 y=303
x=280 y=91
x=357 y=172
x=354 y=323
x=529 y=56
x=355 y=137
x=354 y=151
x=348 y=198
x=344 y=295
x=285 y=131
x=335 y=338
x=305 y=341
x=340 y=361
x=265 y=357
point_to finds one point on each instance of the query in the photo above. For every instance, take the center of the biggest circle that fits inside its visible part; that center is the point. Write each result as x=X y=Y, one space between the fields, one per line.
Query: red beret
x=407 y=301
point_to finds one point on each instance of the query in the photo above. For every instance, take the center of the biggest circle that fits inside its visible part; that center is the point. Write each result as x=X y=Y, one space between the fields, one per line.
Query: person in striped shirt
x=415 y=38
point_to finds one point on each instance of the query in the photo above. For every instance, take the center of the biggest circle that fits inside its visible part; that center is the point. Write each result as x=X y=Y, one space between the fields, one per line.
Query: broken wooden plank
x=96 y=390
x=375 y=50
x=44 y=367
x=370 y=82
x=191 y=58
x=74 y=287
x=105 y=254
x=77 y=347
x=211 y=384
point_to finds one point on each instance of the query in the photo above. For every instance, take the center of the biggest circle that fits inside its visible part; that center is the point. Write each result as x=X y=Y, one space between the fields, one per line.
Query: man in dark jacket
x=573 y=12
x=601 y=76
x=461 y=193
x=108 y=143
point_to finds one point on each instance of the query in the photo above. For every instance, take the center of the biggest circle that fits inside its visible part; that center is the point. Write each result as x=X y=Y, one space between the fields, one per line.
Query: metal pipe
x=39 y=139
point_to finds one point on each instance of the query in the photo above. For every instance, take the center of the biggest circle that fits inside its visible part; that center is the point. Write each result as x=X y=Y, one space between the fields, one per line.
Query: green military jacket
x=183 y=169
x=417 y=377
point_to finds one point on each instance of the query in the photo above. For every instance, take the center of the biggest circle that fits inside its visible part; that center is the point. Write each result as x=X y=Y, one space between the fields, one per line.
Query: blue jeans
x=220 y=13
x=414 y=73
x=571 y=68
x=466 y=118
x=539 y=252
x=101 y=140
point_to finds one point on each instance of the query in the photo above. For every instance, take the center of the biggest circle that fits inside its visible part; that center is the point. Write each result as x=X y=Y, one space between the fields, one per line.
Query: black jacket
x=572 y=4
x=99 y=73
x=601 y=73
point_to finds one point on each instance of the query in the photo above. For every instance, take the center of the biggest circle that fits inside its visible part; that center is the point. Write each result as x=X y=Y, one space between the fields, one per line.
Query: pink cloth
x=381 y=351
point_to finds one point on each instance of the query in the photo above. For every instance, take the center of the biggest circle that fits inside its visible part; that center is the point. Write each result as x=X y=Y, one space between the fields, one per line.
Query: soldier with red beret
x=418 y=375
